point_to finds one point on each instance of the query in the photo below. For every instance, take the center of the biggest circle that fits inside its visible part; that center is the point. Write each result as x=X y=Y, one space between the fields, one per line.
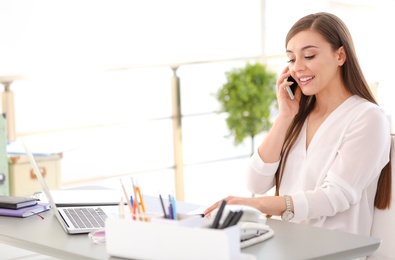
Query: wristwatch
x=287 y=215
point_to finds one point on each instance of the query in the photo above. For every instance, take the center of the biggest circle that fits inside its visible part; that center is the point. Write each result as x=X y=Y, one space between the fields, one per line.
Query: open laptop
x=74 y=220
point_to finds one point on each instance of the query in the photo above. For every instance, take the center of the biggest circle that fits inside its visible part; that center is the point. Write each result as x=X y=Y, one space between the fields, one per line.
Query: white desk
x=290 y=241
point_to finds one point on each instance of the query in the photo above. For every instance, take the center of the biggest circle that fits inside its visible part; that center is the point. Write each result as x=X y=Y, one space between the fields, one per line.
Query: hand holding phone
x=291 y=89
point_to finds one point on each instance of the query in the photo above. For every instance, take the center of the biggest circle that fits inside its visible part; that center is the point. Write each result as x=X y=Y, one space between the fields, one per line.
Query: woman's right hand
x=287 y=107
x=271 y=147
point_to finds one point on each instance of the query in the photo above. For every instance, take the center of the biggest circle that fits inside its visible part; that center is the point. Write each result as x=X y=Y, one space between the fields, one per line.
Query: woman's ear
x=341 y=56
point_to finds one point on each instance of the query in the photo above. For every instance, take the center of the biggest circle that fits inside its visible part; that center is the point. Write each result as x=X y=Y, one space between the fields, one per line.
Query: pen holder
x=184 y=220
x=161 y=240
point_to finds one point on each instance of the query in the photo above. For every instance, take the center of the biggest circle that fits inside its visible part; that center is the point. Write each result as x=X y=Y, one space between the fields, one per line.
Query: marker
x=236 y=218
x=173 y=207
x=170 y=211
x=163 y=206
x=219 y=215
x=228 y=219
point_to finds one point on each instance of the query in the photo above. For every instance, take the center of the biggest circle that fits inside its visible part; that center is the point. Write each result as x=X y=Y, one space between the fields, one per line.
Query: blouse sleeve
x=363 y=152
x=260 y=175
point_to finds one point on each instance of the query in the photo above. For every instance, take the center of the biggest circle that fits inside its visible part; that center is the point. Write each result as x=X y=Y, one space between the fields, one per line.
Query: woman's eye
x=310 y=57
x=291 y=61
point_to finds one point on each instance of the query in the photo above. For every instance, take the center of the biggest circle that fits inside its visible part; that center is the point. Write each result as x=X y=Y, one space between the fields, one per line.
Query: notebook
x=26 y=211
x=74 y=220
x=16 y=202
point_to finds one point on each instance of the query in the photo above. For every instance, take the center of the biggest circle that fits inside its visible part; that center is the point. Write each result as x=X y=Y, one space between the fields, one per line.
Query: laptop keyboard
x=86 y=217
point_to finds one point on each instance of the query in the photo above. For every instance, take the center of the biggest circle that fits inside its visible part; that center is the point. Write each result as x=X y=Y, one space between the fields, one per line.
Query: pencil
x=140 y=198
x=136 y=199
x=135 y=195
x=126 y=196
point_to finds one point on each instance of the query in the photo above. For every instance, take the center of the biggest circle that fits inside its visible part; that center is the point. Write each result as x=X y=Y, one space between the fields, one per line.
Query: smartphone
x=291 y=89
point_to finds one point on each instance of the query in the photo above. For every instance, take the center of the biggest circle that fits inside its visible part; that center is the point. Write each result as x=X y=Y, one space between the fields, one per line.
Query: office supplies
x=250 y=214
x=251 y=223
x=253 y=232
x=170 y=208
x=235 y=219
x=190 y=242
x=126 y=196
x=131 y=200
x=26 y=211
x=136 y=202
x=140 y=199
x=134 y=210
x=231 y=219
x=218 y=215
x=228 y=219
x=173 y=207
x=171 y=213
x=163 y=206
x=16 y=202
x=74 y=220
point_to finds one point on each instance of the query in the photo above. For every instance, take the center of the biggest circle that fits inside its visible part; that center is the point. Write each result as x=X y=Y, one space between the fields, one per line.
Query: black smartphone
x=291 y=89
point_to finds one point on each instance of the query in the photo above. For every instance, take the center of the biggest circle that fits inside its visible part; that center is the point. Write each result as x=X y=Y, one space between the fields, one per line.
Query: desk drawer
x=22 y=179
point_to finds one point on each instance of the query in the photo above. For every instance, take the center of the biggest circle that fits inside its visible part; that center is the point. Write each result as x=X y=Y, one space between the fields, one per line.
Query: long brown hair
x=336 y=33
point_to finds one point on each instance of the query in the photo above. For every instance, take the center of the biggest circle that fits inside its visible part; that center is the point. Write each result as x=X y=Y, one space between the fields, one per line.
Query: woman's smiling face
x=313 y=62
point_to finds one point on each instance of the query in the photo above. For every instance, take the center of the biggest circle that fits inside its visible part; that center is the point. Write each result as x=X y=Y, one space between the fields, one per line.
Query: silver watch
x=287 y=215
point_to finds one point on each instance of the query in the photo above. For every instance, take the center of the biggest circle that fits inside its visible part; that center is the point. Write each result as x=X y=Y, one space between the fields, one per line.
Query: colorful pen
x=173 y=207
x=163 y=206
x=136 y=200
x=126 y=197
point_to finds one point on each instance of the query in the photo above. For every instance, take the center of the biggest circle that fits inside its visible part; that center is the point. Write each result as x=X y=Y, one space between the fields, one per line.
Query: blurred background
x=92 y=80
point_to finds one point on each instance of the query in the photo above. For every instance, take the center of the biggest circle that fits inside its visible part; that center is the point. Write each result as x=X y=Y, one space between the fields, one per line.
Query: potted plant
x=248 y=97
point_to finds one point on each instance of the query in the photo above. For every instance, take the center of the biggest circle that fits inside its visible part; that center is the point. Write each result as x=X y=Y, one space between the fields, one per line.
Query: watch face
x=287 y=215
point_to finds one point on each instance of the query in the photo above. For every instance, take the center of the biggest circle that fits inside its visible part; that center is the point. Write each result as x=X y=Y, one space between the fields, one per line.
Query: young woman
x=328 y=151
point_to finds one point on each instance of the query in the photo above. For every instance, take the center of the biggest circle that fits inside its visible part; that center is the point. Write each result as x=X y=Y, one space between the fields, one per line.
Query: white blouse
x=333 y=183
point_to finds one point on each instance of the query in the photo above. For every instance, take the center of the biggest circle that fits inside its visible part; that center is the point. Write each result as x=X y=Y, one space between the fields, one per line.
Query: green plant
x=248 y=97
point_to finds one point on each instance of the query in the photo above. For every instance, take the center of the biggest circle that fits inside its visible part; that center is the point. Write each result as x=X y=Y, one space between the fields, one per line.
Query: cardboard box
x=22 y=180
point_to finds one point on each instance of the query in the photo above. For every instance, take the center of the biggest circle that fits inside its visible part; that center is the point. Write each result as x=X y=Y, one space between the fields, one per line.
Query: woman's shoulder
x=362 y=104
x=364 y=109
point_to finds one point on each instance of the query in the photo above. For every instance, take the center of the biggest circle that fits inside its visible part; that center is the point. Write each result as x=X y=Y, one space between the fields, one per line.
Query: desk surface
x=290 y=241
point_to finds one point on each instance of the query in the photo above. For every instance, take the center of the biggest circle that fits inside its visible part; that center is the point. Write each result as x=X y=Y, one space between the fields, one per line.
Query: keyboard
x=86 y=217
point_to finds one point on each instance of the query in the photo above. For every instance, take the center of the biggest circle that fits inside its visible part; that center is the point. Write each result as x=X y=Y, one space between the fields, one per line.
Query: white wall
x=102 y=117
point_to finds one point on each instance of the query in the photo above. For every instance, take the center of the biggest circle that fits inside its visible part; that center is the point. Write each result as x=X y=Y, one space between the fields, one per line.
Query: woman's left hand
x=252 y=202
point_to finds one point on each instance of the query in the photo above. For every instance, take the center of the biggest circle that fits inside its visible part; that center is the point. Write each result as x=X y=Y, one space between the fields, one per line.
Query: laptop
x=74 y=220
